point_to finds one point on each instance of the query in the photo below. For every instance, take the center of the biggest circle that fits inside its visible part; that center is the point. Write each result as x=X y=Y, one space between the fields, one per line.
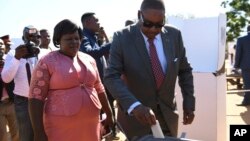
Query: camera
x=33 y=50
x=31 y=38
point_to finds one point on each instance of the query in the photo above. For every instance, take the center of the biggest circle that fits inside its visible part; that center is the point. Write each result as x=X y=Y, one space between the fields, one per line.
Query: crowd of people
x=61 y=94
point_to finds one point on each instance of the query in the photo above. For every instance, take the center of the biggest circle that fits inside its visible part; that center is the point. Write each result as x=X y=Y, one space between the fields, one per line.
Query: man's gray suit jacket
x=130 y=61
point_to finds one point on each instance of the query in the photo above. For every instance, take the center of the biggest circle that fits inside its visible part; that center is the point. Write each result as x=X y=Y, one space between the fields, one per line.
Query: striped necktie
x=155 y=63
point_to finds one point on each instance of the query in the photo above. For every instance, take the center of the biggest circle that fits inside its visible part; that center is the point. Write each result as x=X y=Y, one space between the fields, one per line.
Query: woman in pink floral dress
x=66 y=93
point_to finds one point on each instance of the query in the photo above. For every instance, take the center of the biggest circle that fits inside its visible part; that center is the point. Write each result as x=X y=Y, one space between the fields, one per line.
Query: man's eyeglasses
x=150 y=24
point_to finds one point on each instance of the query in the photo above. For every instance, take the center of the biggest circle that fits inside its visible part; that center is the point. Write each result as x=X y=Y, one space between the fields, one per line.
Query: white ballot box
x=204 y=39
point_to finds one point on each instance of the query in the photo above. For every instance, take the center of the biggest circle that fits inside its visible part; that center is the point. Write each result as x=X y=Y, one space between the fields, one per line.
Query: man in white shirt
x=19 y=64
x=45 y=42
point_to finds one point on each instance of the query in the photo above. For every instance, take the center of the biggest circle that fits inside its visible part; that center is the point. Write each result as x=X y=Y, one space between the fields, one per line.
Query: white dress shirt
x=16 y=69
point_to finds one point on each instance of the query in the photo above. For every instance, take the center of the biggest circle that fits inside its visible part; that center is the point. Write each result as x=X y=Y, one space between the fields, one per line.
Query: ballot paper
x=156 y=129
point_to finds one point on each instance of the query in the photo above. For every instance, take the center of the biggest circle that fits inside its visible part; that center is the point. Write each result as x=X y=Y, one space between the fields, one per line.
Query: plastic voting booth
x=205 y=39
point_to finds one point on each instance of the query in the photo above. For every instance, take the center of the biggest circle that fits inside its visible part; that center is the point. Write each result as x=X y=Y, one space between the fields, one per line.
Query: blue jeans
x=23 y=119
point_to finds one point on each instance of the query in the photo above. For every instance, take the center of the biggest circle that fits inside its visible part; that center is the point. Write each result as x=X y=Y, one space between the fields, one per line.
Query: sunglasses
x=150 y=24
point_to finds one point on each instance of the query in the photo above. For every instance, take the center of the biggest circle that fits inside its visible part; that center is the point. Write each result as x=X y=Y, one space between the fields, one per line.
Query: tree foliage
x=237 y=17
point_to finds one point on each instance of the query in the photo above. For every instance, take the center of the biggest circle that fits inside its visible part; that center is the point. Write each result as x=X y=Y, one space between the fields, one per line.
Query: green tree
x=237 y=17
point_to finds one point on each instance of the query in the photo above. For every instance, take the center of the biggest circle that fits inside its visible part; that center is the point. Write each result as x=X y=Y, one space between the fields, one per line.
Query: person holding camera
x=19 y=64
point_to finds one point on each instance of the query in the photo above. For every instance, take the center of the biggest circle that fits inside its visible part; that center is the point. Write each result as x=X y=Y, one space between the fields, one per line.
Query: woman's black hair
x=65 y=26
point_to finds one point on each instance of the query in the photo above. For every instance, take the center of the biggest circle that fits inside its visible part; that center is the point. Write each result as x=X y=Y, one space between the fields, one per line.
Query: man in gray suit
x=133 y=81
x=242 y=61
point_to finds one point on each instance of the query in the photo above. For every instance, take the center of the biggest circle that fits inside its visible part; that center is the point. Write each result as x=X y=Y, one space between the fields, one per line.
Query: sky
x=112 y=14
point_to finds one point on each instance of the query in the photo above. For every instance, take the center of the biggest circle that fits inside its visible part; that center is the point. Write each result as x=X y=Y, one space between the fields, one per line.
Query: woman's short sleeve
x=39 y=85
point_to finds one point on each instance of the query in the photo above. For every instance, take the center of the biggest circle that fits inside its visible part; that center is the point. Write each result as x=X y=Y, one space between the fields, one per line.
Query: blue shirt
x=90 y=46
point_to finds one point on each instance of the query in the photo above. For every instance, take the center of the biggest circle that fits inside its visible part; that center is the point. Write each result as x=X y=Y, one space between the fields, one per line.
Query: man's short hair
x=43 y=30
x=86 y=16
x=152 y=4
x=129 y=22
x=6 y=39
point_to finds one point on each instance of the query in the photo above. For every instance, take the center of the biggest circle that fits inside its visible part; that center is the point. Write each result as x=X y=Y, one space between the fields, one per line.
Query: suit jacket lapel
x=142 y=50
x=169 y=54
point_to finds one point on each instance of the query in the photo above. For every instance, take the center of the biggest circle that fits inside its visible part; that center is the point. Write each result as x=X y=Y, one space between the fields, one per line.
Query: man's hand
x=102 y=34
x=188 y=117
x=144 y=115
x=21 y=51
